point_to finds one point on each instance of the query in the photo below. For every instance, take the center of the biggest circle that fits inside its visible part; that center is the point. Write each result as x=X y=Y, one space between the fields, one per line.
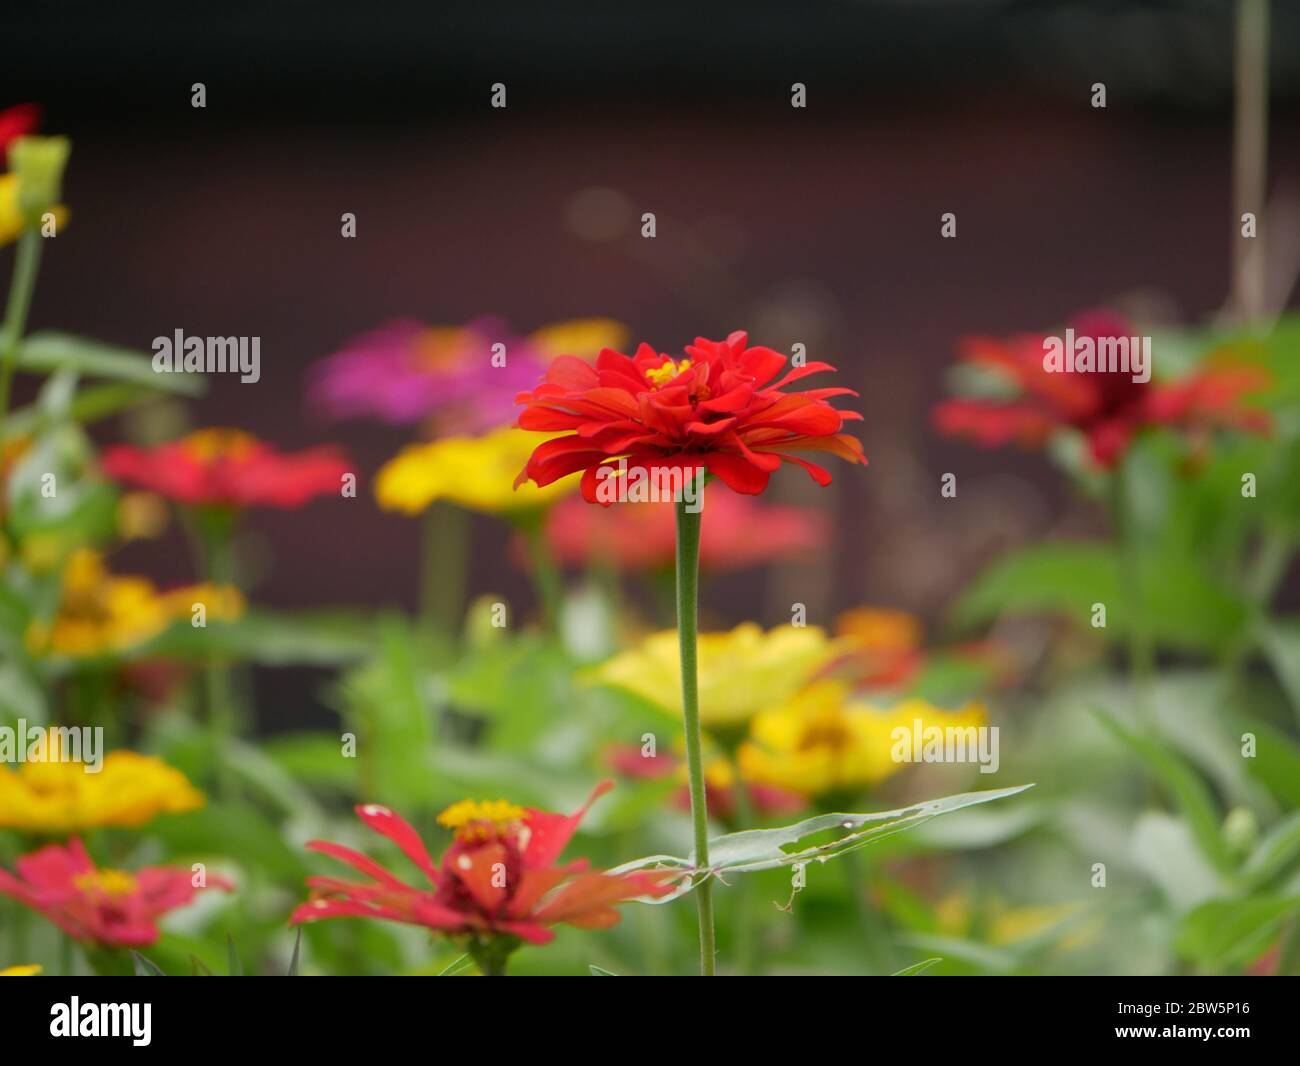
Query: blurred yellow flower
x=880 y=628
x=21 y=971
x=11 y=218
x=583 y=337
x=128 y=790
x=740 y=672
x=477 y=473
x=102 y=613
x=822 y=741
x=141 y=515
x=1001 y=924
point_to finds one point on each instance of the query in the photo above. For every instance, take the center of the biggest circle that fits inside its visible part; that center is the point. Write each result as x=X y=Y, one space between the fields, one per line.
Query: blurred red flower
x=109 y=908
x=740 y=532
x=228 y=468
x=1107 y=408
x=717 y=409
x=498 y=877
x=17 y=122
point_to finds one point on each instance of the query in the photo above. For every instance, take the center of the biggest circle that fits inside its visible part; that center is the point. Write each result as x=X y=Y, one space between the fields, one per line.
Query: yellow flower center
x=660 y=376
x=828 y=733
x=440 y=348
x=108 y=882
x=475 y=819
x=208 y=445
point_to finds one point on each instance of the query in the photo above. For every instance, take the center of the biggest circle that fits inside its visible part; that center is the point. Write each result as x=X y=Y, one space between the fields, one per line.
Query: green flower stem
x=1141 y=655
x=688 y=572
x=1250 y=157
x=21 y=287
x=444 y=558
x=546 y=576
x=492 y=953
x=875 y=936
x=746 y=888
x=217 y=530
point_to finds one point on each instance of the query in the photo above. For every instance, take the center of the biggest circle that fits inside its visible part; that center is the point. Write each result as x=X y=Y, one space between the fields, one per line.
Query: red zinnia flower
x=717 y=409
x=1107 y=408
x=110 y=908
x=17 y=122
x=497 y=878
x=228 y=468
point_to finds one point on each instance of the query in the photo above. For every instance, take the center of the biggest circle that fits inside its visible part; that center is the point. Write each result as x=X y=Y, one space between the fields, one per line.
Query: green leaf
x=1182 y=606
x=143 y=967
x=1061 y=578
x=268 y=639
x=1274 y=854
x=765 y=849
x=1190 y=792
x=459 y=963
x=917 y=968
x=1232 y=932
x=47 y=352
x=596 y=971
x=1281 y=643
x=293 y=961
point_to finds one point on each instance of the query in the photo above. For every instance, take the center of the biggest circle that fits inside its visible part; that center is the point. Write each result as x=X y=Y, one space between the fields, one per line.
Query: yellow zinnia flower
x=477 y=473
x=822 y=742
x=65 y=797
x=21 y=971
x=102 y=613
x=583 y=337
x=740 y=672
x=880 y=628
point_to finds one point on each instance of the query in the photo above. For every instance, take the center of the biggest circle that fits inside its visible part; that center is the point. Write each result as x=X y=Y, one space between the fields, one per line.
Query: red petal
x=399 y=831
x=551 y=833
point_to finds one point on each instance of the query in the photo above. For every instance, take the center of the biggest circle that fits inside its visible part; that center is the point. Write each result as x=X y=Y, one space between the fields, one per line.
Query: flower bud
x=38 y=163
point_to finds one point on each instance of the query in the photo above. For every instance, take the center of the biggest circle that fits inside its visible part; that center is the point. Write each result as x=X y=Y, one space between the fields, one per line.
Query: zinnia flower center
x=438 y=349
x=661 y=375
x=107 y=882
x=826 y=734
x=475 y=822
x=208 y=445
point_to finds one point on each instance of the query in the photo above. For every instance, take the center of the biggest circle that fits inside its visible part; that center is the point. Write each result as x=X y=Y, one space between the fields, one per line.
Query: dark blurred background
x=818 y=225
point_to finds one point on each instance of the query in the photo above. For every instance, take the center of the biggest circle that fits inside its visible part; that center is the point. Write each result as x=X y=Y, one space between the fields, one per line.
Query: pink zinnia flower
x=406 y=372
x=741 y=532
x=109 y=908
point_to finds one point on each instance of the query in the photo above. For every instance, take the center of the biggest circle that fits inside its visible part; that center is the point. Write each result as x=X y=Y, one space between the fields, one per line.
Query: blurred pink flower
x=406 y=372
x=741 y=532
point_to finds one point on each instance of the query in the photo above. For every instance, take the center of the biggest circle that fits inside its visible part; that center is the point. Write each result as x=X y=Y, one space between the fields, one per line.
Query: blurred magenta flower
x=461 y=379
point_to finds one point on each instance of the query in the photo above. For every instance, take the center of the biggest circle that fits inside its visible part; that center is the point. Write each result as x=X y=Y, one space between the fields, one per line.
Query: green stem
x=1141 y=656
x=1250 y=157
x=444 y=556
x=219 y=567
x=875 y=937
x=492 y=953
x=688 y=572
x=746 y=890
x=21 y=287
x=546 y=577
